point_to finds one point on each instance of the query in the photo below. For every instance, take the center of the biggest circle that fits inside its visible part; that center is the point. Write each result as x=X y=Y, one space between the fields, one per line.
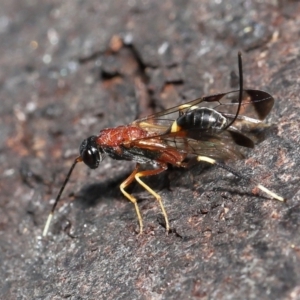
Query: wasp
x=210 y=129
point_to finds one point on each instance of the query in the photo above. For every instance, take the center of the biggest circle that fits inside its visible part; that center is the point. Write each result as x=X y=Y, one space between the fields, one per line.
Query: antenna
x=241 y=81
x=47 y=225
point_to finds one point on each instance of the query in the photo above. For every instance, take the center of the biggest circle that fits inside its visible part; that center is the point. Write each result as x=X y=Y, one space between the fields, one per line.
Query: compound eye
x=91 y=157
x=90 y=153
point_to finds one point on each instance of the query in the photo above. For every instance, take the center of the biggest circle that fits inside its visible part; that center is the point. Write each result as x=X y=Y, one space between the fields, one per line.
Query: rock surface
x=72 y=68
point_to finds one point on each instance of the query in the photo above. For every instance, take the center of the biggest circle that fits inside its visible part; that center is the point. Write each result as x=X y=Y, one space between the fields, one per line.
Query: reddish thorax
x=122 y=136
x=113 y=137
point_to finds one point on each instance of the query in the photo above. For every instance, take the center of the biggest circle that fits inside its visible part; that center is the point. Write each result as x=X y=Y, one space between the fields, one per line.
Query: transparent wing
x=255 y=106
x=221 y=147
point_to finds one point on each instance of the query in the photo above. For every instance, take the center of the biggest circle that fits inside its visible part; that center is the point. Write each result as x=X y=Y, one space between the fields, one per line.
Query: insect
x=211 y=129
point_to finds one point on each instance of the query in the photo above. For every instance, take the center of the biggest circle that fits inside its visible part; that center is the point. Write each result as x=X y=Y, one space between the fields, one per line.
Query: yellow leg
x=130 y=197
x=259 y=186
x=135 y=175
x=157 y=196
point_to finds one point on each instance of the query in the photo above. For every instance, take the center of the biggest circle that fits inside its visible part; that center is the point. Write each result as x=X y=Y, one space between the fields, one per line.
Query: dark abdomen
x=205 y=119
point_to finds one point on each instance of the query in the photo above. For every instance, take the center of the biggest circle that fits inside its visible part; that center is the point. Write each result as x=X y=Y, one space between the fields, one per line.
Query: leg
x=137 y=176
x=130 y=197
x=261 y=187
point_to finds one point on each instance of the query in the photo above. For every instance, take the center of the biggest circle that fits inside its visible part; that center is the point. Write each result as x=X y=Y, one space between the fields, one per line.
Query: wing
x=221 y=145
x=255 y=106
